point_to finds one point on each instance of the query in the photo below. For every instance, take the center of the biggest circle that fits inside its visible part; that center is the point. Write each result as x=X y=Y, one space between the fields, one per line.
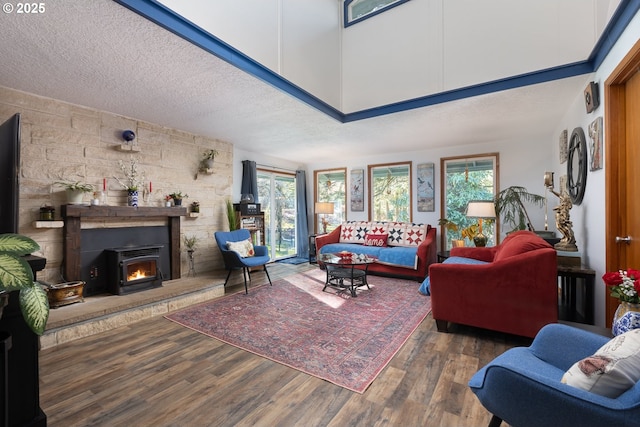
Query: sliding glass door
x=277 y=192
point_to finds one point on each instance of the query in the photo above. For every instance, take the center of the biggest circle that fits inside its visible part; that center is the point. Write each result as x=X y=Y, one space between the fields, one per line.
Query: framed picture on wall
x=357 y=190
x=595 y=145
x=426 y=188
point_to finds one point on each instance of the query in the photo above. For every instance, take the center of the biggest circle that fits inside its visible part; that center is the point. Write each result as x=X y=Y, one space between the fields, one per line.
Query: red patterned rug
x=330 y=335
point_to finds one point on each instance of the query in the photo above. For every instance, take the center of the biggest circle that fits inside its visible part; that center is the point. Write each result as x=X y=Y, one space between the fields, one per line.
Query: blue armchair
x=522 y=386
x=233 y=261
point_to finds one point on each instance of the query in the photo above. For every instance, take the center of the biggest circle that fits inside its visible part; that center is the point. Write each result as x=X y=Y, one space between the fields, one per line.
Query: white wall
x=298 y=40
x=522 y=162
x=589 y=217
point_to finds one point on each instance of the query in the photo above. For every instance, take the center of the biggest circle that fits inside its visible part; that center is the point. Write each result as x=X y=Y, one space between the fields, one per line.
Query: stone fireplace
x=95 y=236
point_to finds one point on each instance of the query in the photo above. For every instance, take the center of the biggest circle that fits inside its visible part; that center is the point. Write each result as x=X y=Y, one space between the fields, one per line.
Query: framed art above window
x=359 y=10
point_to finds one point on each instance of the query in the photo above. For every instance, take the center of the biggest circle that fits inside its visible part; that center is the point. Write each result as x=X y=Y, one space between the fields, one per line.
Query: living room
x=77 y=140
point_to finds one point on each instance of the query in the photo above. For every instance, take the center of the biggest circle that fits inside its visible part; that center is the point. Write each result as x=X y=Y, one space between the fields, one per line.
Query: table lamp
x=481 y=209
x=324 y=208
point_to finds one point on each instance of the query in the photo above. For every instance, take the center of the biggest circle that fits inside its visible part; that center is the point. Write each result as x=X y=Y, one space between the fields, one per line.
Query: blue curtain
x=250 y=179
x=302 y=227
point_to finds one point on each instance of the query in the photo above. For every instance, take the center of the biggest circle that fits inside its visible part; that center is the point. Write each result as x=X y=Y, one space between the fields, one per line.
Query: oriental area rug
x=330 y=335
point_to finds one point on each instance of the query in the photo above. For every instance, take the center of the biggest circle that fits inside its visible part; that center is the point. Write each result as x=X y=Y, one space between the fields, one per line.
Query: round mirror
x=577 y=166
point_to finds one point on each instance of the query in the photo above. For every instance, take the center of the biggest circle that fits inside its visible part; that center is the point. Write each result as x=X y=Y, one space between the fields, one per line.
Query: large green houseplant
x=510 y=206
x=16 y=275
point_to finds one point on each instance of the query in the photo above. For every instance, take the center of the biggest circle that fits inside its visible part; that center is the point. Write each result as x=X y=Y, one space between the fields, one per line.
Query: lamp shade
x=481 y=209
x=324 y=208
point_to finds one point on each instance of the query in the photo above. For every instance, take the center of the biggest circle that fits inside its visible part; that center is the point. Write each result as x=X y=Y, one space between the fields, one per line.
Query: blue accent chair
x=233 y=261
x=522 y=386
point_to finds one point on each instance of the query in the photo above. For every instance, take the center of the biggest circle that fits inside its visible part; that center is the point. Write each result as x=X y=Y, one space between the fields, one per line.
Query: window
x=390 y=192
x=277 y=192
x=359 y=10
x=464 y=179
x=330 y=186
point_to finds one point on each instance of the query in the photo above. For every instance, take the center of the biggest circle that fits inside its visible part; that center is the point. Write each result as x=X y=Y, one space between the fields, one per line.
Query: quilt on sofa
x=392 y=243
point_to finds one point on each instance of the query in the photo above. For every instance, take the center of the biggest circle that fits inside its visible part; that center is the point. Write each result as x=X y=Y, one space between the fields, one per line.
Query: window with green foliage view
x=464 y=179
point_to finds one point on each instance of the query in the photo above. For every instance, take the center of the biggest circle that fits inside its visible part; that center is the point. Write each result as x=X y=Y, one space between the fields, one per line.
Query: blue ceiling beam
x=171 y=21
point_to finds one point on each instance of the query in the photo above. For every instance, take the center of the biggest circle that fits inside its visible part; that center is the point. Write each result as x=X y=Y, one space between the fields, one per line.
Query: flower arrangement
x=134 y=179
x=168 y=198
x=209 y=154
x=625 y=285
x=190 y=242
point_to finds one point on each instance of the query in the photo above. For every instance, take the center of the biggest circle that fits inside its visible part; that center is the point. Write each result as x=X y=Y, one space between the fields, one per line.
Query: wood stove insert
x=133 y=269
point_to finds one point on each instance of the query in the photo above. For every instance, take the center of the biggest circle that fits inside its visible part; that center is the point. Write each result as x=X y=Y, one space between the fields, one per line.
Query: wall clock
x=577 y=166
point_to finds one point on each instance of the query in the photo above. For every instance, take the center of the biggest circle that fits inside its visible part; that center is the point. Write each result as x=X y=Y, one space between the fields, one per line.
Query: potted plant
x=510 y=205
x=177 y=197
x=16 y=275
x=190 y=242
x=75 y=190
x=195 y=207
x=231 y=216
x=208 y=157
x=452 y=228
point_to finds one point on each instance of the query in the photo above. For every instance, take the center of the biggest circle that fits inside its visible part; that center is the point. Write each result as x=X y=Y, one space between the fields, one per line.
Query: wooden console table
x=73 y=215
x=570 y=277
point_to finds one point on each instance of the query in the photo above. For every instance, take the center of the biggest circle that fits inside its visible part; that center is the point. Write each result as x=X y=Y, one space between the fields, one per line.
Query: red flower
x=634 y=274
x=612 y=278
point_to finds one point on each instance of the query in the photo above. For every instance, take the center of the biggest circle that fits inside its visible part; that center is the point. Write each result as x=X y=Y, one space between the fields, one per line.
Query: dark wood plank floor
x=158 y=373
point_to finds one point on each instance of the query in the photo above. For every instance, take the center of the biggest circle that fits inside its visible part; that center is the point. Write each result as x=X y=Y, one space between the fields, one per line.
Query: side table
x=312 y=249
x=574 y=279
x=442 y=255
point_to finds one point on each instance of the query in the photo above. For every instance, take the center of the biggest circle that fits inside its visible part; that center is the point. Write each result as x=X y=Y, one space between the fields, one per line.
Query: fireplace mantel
x=74 y=214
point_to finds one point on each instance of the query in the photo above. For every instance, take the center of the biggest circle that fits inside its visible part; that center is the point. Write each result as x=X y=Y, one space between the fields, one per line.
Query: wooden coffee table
x=342 y=272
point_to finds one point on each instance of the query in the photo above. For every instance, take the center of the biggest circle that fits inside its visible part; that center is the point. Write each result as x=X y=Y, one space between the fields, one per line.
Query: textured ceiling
x=101 y=55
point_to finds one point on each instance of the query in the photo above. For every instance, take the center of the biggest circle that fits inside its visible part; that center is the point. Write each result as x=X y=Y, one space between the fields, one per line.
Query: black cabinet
x=21 y=365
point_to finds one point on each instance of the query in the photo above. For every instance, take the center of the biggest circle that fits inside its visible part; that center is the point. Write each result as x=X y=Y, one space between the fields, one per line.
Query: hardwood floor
x=158 y=373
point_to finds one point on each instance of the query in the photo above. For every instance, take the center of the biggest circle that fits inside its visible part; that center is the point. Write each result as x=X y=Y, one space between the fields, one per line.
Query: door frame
x=615 y=163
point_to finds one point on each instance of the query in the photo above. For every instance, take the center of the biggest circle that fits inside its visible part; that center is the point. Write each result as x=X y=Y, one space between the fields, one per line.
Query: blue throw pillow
x=425 y=287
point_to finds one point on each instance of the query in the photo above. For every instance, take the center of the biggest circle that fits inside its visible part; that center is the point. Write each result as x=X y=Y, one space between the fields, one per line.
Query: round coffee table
x=342 y=272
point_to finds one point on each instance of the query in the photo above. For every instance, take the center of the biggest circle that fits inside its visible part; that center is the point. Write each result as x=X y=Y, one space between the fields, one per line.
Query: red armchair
x=515 y=292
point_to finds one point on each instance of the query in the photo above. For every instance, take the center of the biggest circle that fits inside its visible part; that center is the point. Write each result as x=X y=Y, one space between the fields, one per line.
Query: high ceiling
x=101 y=55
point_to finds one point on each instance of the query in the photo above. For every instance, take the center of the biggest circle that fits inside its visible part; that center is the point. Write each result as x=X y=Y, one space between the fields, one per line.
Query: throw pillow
x=612 y=370
x=244 y=248
x=376 y=240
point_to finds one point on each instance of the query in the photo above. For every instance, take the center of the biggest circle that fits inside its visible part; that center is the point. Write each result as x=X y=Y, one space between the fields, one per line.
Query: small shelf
x=48 y=224
x=129 y=148
x=194 y=214
x=206 y=171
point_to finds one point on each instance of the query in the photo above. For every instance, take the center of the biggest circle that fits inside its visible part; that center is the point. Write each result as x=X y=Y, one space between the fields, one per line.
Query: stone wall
x=61 y=141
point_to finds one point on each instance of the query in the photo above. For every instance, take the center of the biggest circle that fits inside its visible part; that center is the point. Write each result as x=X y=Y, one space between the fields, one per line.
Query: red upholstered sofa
x=516 y=291
x=349 y=236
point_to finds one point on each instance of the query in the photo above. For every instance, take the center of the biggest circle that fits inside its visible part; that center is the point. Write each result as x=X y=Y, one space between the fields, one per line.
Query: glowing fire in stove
x=136 y=275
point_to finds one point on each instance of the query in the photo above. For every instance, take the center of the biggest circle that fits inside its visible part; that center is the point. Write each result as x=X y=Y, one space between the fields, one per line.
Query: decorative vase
x=167 y=204
x=132 y=198
x=626 y=317
x=208 y=163
x=177 y=202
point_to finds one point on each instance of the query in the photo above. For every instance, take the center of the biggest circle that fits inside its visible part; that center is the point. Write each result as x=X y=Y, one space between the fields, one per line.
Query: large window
x=330 y=186
x=390 y=192
x=359 y=10
x=464 y=179
x=277 y=192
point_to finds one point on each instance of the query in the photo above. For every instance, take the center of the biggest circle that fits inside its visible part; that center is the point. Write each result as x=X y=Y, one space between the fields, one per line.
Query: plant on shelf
x=209 y=155
x=510 y=206
x=75 y=190
x=195 y=207
x=231 y=216
x=16 y=275
x=190 y=242
x=133 y=178
x=177 y=197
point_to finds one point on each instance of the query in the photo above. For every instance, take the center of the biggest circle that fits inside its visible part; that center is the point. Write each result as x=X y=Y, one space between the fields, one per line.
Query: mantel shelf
x=102 y=211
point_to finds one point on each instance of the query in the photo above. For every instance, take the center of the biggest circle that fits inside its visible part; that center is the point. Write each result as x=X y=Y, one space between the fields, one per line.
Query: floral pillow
x=244 y=248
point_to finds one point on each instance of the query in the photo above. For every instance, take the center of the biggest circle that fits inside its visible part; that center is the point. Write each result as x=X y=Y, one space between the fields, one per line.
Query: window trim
x=348 y=22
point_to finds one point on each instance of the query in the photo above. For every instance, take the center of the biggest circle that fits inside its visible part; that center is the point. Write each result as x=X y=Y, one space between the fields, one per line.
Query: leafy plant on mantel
x=75 y=186
x=16 y=275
